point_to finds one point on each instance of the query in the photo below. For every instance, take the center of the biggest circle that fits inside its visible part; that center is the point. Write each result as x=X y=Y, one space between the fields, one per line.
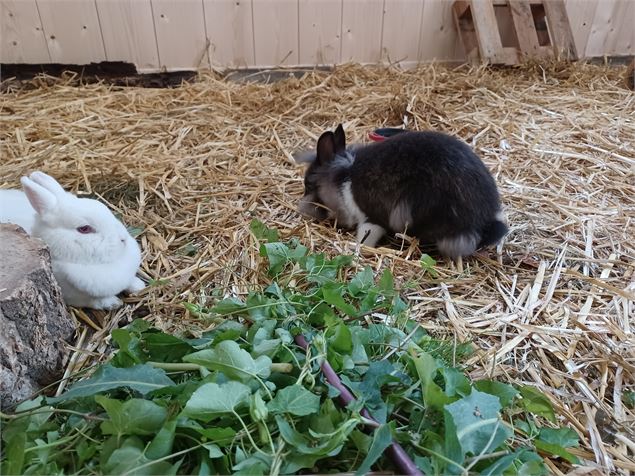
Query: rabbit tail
x=492 y=233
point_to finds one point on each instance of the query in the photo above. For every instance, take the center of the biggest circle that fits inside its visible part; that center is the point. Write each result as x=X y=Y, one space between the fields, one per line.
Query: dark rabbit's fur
x=427 y=184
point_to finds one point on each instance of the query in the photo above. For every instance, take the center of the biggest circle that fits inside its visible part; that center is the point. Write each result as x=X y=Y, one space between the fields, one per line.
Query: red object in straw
x=383 y=133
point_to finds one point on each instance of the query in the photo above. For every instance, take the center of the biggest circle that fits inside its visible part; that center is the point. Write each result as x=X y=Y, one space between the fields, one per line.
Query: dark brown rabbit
x=426 y=184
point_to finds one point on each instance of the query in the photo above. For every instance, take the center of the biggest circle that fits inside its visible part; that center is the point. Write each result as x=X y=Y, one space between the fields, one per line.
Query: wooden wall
x=186 y=34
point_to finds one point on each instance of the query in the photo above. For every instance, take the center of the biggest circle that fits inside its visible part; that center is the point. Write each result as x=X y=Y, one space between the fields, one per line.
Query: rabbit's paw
x=107 y=303
x=136 y=286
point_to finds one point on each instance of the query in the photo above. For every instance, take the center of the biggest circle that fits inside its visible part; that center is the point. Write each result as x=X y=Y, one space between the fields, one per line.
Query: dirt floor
x=190 y=166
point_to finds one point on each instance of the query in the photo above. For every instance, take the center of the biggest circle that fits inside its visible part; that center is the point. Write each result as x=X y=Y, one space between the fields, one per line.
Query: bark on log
x=34 y=322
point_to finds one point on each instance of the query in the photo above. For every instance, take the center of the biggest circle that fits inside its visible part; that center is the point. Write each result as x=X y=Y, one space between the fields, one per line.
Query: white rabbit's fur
x=90 y=268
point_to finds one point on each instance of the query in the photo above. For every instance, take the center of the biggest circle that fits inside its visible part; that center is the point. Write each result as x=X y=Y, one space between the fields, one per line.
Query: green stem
x=165 y=458
x=283 y=368
x=439 y=455
x=176 y=367
x=55 y=443
x=251 y=440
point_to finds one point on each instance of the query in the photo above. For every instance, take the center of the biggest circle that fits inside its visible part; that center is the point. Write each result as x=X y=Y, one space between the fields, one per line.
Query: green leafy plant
x=245 y=398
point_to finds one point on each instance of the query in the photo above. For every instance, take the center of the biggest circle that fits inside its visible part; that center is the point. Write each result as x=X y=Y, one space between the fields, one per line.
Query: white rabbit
x=93 y=256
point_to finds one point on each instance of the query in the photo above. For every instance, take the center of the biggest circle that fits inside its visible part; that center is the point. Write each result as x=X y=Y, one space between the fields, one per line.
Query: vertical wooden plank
x=128 y=32
x=22 y=34
x=229 y=25
x=489 y=39
x=525 y=28
x=581 y=14
x=72 y=31
x=320 y=25
x=612 y=32
x=439 y=40
x=181 y=36
x=560 y=29
x=625 y=32
x=402 y=28
x=464 y=24
x=276 y=32
x=362 y=30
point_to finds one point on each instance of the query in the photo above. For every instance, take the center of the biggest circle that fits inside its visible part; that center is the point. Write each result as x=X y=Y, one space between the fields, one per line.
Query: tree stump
x=34 y=322
x=629 y=77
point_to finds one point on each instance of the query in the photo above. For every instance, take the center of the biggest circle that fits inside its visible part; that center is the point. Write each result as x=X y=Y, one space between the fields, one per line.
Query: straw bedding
x=191 y=166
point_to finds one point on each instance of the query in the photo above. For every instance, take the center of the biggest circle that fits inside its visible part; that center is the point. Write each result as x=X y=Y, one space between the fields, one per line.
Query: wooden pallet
x=537 y=28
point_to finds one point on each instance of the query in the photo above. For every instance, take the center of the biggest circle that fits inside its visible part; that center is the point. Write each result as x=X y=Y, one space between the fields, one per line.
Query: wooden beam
x=487 y=32
x=560 y=29
x=524 y=25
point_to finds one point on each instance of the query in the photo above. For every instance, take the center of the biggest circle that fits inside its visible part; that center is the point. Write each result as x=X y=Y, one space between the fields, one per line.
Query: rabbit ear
x=326 y=148
x=340 y=140
x=48 y=182
x=41 y=199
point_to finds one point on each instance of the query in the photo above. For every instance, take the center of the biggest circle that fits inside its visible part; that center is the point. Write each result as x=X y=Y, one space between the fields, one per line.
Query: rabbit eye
x=85 y=229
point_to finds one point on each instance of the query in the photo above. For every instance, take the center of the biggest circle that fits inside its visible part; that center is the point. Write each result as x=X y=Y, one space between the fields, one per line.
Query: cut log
x=34 y=322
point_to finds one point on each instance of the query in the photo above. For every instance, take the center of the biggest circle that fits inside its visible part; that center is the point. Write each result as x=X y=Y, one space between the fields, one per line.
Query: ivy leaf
x=505 y=393
x=212 y=400
x=233 y=361
x=279 y=254
x=479 y=428
x=257 y=408
x=263 y=344
x=229 y=307
x=554 y=441
x=262 y=232
x=386 y=283
x=216 y=435
x=166 y=348
x=329 y=445
x=378 y=374
x=427 y=367
x=141 y=378
x=536 y=402
x=130 y=352
x=132 y=417
x=161 y=444
x=213 y=450
x=427 y=264
x=517 y=458
x=342 y=340
x=382 y=438
x=565 y=437
x=556 y=450
x=456 y=383
x=333 y=295
x=361 y=282
x=295 y=400
x=130 y=458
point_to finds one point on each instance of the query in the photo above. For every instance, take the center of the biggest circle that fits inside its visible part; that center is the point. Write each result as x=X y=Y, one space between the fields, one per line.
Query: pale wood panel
x=128 y=32
x=229 y=26
x=22 y=34
x=181 y=36
x=581 y=14
x=439 y=39
x=613 y=30
x=72 y=31
x=402 y=28
x=320 y=41
x=362 y=30
x=276 y=32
